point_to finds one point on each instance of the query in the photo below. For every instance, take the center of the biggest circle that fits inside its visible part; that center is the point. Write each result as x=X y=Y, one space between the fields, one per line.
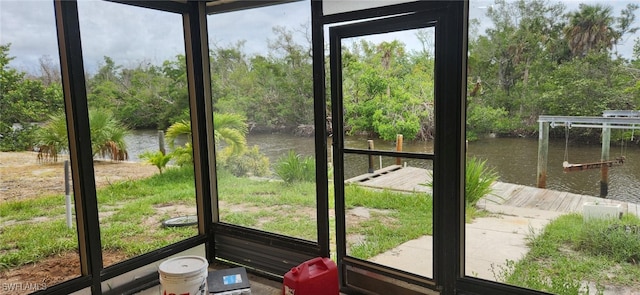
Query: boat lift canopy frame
x=611 y=119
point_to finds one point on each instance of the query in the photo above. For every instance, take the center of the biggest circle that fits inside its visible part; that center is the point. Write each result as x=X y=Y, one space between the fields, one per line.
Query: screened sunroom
x=301 y=77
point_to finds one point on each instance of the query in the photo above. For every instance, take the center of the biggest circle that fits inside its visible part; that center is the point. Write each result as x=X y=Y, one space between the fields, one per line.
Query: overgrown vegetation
x=25 y=100
x=251 y=162
x=294 y=167
x=229 y=134
x=478 y=180
x=571 y=253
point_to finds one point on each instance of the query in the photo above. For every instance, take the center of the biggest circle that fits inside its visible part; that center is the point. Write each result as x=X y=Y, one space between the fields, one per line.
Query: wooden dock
x=412 y=179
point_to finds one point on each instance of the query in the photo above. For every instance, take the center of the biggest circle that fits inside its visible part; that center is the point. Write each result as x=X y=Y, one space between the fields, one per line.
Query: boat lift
x=611 y=119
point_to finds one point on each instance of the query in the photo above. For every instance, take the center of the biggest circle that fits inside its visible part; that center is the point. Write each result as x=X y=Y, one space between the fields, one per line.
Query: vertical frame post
x=199 y=82
x=77 y=114
x=320 y=122
x=449 y=148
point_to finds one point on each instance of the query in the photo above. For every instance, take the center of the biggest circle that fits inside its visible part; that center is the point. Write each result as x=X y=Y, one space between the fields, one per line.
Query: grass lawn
x=31 y=230
x=130 y=218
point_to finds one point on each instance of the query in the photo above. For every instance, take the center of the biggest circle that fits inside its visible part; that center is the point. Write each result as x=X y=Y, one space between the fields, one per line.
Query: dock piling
x=370 y=144
x=543 y=151
x=398 y=148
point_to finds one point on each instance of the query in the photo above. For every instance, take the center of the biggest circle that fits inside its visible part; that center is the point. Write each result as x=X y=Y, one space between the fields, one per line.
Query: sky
x=132 y=35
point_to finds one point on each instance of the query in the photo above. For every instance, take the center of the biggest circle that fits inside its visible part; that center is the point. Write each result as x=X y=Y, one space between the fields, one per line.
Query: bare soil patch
x=22 y=177
x=47 y=272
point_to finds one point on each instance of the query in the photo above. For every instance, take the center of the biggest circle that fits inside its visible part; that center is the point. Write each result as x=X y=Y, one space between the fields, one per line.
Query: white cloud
x=128 y=34
x=254 y=26
x=30 y=28
x=131 y=35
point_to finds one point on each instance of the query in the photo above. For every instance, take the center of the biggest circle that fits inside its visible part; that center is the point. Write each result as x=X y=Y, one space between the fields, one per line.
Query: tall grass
x=478 y=178
x=478 y=181
x=618 y=240
x=294 y=167
x=570 y=252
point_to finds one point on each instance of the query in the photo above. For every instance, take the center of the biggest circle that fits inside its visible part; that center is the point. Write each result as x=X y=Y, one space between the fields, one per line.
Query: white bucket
x=184 y=275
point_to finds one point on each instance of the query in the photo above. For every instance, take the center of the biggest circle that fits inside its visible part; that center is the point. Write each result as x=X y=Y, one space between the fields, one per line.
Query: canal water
x=514 y=159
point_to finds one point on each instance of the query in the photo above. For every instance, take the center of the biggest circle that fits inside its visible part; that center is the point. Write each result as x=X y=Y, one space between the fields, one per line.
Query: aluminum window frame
x=93 y=273
x=449 y=154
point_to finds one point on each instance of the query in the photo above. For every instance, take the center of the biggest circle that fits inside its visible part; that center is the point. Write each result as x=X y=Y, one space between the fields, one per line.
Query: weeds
x=571 y=256
x=618 y=240
x=158 y=159
x=478 y=180
x=295 y=168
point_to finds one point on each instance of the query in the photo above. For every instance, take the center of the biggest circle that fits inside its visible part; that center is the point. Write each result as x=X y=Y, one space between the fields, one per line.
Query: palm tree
x=228 y=128
x=591 y=29
x=107 y=137
x=232 y=130
x=52 y=138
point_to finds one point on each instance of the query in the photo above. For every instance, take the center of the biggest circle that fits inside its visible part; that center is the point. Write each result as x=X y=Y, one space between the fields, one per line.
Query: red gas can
x=318 y=276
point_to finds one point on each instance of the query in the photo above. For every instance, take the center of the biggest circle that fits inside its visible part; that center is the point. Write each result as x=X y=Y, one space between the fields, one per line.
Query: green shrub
x=18 y=140
x=478 y=181
x=249 y=162
x=294 y=167
x=183 y=155
x=484 y=119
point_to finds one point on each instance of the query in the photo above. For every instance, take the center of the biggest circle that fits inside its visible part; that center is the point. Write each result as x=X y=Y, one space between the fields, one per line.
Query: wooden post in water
x=370 y=143
x=604 y=169
x=161 y=142
x=398 y=148
x=543 y=151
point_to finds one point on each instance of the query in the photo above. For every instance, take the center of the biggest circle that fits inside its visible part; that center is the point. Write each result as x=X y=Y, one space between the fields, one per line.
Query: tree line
x=535 y=58
x=538 y=58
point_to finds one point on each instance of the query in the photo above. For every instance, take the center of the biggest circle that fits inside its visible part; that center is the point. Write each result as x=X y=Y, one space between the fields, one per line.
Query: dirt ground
x=47 y=272
x=23 y=177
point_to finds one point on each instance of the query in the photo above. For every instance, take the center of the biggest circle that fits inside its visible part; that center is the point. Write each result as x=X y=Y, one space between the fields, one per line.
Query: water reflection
x=515 y=159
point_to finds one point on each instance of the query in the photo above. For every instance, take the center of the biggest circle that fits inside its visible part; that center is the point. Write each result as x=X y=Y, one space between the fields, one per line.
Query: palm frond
x=177 y=129
x=230 y=121
x=234 y=139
